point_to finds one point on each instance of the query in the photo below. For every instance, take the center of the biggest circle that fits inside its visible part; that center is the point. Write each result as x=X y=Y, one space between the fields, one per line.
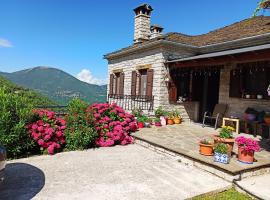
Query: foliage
x=247 y=144
x=80 y=132
x=137 y=112
x=221 y=148
x=48 y=131
x=142 y=118
x=226 y=132
x=15 y=114
x=207 y=141
x=113 y=124
x=230 y=194
x=176 y=113
x=170 y=115
x=157 y=120
x=160 y=112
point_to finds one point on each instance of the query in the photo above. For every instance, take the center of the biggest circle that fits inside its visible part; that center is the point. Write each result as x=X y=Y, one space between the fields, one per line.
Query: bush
x=15 y=114
x=48 y=131
x=80 y=132
x=113 y=124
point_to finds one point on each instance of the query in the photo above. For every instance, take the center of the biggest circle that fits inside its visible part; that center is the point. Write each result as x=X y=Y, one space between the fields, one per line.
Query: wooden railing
x=60 y=111
x=130 y=102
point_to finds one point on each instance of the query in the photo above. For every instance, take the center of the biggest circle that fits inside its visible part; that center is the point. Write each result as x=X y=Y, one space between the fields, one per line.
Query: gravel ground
x=121 y=172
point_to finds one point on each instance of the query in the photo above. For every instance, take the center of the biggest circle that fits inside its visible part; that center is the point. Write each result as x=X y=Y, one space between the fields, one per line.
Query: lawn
x=231 y=194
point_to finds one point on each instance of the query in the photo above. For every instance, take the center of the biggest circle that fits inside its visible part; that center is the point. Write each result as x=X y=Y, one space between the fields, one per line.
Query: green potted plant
x=157 y=122
x=176 y=116
x=170 y=118
x=221 y=153
x=206 y=146
x=141 y=120
x=225 y=136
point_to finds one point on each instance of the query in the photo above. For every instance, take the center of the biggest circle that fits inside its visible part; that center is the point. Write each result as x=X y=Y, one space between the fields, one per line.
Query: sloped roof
x=247 y=28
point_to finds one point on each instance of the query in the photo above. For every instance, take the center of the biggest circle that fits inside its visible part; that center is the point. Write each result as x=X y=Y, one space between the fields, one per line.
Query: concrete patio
x=182 y=140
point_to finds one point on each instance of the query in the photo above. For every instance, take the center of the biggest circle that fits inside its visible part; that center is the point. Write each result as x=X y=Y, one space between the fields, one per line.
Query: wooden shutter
x=149 y=87
x=133 y=82
x=235 y=83
x=172 y=93
x=122 y=79
x=111 y=84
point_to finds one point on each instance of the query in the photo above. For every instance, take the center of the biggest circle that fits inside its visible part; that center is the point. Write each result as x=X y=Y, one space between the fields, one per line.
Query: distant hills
x=32 y=97
x=57 y=85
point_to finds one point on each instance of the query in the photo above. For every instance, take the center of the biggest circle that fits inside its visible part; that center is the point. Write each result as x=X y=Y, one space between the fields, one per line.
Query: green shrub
x=15 y=114
x=80 y=132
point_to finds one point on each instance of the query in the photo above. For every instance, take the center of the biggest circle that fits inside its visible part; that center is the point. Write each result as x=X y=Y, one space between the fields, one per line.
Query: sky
x=73 y=35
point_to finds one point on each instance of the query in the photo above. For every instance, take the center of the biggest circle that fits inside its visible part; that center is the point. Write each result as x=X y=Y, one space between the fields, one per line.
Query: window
x=117 y=83
x=142 y=82
x=250 y=79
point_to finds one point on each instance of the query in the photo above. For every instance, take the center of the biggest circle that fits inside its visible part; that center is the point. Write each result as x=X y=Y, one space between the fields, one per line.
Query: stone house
x=230 y=65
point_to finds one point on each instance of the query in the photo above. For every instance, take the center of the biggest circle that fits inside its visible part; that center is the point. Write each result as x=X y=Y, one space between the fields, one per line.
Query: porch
x=182 y=141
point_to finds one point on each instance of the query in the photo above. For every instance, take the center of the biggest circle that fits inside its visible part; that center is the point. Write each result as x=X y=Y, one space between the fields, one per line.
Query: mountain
x=33 y=97
x=57 y=85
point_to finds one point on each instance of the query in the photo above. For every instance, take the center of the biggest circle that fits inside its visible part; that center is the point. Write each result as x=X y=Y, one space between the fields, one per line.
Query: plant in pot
x=141 y=120
x=170 y=119
x=267 y=118
x=176 y=117
x=225 y=136
x=221 y=153
x=161 y=114
x=157 y=122
x=206 y=146
x=148 y=122
x=246 y=149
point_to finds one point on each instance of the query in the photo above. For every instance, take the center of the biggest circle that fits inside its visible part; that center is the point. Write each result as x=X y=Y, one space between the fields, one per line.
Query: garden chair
x=217 y=114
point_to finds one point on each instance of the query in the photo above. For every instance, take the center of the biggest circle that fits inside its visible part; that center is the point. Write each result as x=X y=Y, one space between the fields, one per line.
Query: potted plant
x=225 y=136
x=148 y=123
x=246 y=149
x=221 y=153
x=177 y=117
x=141 y=120
x=206 y=146
x=157 y=122
x=267 y=118
x=170 y=119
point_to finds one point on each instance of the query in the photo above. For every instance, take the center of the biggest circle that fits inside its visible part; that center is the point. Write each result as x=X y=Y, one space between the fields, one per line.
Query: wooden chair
x=217 y=114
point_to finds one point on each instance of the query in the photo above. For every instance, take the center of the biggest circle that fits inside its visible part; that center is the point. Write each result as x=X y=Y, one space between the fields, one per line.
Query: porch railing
x=130 y=102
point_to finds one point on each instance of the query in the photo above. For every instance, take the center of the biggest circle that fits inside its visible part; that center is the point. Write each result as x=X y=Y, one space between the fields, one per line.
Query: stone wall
x=237 y=106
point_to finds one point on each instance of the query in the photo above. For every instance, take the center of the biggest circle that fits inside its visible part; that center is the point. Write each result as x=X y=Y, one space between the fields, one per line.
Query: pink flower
x=40 y=142
x=51 y=149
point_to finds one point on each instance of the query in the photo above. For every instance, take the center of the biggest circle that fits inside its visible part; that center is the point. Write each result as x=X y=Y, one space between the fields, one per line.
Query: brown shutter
x=133 y=82
x=149 y=87
x=111 y=84
x=122 y=79
x=235 y=83
x=172 y=93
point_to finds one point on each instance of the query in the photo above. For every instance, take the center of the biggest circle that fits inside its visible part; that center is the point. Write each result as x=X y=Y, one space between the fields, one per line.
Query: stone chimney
x=156 y=31
x=142 y=23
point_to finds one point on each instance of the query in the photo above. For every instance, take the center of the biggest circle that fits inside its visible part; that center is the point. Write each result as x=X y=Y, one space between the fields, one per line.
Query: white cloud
x=86 y=76
x=5 y=43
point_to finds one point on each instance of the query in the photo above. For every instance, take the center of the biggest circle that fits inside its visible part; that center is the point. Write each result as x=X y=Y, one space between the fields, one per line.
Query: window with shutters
x=142 y=82
x=117 y=83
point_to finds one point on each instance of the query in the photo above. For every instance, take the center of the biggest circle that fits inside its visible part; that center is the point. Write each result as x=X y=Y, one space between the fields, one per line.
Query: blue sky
x=75 y=34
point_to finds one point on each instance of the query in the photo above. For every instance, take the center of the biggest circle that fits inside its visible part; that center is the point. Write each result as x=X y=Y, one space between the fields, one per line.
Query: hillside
x=57 y=85
x=33 y=97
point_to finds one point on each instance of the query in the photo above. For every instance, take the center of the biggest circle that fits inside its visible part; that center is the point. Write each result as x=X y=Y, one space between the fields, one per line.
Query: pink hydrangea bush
x=247 y=144
x=112 y=124
x=48 y=131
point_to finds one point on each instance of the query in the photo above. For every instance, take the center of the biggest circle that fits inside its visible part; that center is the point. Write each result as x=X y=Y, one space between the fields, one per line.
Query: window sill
x=244 y=99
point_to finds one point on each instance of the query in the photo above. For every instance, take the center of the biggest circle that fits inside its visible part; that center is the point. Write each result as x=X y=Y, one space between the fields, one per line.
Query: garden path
x=121 y=172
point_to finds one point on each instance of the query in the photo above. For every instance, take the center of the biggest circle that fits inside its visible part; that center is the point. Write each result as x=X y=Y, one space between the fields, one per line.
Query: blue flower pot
x=221 y=158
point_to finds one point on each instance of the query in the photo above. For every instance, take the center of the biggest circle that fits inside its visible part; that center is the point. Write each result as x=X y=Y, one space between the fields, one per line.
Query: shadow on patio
x=22 y=182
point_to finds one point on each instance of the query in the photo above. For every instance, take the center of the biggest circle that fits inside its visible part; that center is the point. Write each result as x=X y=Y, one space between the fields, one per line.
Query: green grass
x=230 y=194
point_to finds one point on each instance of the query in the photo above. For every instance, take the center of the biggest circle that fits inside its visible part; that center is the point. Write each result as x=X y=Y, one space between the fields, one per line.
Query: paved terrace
x=183 y=140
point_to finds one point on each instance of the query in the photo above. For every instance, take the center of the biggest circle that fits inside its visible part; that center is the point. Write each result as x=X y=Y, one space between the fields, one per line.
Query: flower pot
x=206 y=149
x=170 y=122
x=147 y=124
x=140 y=124
x=267 y=120
x=157 y=124
x=228 y=141
x=245 y=156
x=177 y=120
x=221 y=158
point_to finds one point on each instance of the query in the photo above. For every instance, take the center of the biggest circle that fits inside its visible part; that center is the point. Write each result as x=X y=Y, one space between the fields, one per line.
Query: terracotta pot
x=140 y=124
x=170 y=122
x=267 y=120
x=157 y=124
x=206 y=149
x=245 y=156
x=177 y=120
x=229 y=142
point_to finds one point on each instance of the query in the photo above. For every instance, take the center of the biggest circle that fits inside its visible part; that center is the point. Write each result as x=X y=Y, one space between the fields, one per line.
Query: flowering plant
x=112 y=124
x=48 y=130
x=248 y=144
x=226 y=132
